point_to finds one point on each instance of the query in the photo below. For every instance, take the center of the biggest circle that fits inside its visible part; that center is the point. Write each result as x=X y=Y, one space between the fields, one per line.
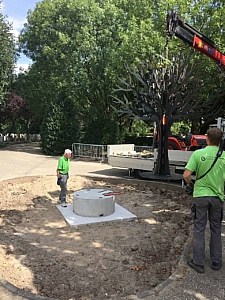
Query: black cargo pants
x=213 y=208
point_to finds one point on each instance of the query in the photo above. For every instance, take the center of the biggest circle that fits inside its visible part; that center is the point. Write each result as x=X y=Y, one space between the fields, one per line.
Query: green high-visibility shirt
x=63 y=165
x=212 y=184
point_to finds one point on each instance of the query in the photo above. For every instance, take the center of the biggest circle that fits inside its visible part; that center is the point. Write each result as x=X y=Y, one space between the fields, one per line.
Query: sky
x=16 y=13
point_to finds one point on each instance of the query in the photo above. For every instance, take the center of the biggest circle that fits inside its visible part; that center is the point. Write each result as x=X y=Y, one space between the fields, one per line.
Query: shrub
x=60 y=127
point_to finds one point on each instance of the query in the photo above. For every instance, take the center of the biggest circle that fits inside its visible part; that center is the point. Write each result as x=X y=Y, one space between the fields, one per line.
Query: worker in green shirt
x=208 y=198
x=63 y=175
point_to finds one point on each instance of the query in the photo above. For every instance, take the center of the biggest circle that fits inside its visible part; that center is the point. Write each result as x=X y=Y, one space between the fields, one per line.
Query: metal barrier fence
x=98 y=152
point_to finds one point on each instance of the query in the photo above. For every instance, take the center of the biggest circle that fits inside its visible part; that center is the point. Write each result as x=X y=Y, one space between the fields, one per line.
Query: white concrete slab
x=75 y=220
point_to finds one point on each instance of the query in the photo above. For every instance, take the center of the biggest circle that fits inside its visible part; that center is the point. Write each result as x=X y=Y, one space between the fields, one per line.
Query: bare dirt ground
x=40 y=253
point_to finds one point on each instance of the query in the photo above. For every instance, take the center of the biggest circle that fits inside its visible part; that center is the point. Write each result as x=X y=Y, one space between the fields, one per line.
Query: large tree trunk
x=162 y=162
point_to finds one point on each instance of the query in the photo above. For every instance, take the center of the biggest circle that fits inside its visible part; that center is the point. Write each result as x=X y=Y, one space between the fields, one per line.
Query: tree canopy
x=79 y=49
x=7 y=55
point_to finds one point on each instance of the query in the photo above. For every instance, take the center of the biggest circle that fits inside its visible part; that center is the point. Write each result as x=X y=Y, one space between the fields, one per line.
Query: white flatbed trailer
x=124 y=156
x=132 y=163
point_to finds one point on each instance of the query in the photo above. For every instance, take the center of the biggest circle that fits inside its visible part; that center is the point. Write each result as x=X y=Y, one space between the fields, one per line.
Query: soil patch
x=40 y=253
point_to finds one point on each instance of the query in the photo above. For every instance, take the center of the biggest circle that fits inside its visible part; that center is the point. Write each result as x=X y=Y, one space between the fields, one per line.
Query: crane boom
x=195 y=39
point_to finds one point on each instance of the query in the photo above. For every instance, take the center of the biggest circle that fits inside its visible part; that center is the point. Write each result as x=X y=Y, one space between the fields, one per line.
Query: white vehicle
x=125 y=156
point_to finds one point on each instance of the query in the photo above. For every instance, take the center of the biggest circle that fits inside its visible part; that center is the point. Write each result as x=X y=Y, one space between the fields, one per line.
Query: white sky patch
x=17 y=25
x=16 y=15
x=20 y=68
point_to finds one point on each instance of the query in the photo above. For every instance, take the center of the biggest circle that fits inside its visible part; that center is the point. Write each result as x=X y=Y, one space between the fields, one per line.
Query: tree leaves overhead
x=80 y=48
x=7 y=55
x=83 y=44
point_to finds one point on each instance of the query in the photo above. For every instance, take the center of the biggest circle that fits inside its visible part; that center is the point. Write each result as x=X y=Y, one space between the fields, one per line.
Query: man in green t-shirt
x=208 y=197
x=63 y=175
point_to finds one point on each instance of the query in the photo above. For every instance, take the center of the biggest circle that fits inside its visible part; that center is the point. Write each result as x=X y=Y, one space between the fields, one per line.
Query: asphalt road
x=27 y=160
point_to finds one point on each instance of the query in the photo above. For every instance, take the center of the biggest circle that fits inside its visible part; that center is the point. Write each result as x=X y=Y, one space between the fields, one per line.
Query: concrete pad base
x=74 y=220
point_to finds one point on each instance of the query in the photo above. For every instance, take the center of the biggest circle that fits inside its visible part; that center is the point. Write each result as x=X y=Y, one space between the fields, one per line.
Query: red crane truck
x=177 y=27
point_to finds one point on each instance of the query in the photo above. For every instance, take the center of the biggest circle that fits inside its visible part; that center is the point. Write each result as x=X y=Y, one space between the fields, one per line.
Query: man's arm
x=187 y=176
x=191 y=165
x=59 y=167
x=57 y=173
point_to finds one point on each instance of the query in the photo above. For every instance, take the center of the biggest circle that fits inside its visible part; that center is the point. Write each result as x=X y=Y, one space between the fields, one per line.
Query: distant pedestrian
x=208 y=198
x=63 y=175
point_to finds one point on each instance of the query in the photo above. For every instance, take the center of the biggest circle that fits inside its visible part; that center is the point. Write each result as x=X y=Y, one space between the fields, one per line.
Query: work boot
x=63 y=204
x=216 y=266
x=197 y=268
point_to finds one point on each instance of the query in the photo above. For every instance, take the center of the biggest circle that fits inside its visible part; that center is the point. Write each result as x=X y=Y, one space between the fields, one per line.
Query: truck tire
x=172 y=146
x=137 y=173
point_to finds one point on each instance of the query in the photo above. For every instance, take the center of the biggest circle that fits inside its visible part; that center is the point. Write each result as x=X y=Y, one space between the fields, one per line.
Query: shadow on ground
x=31 y=148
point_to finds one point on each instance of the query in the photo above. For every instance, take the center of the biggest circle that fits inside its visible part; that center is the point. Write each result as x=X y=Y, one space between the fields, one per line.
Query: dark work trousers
x=63 y=186
x=213 y=208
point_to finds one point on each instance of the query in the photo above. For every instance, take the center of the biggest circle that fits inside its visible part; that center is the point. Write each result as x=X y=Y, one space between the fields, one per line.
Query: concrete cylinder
x=93 y=203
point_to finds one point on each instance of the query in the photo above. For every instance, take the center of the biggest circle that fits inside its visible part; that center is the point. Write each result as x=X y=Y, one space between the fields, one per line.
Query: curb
x=181 y=265
x=20 y=292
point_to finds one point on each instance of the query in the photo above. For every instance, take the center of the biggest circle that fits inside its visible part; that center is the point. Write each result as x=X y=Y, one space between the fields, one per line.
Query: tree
x=13 y=108
x=162 y=92
x=7 y=56
x=25 y=85
x=60 y=126
x=80 y=47
x=103 y=129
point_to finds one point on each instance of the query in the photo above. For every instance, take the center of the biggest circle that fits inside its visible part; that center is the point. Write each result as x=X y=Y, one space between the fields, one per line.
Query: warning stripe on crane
x=209 y=51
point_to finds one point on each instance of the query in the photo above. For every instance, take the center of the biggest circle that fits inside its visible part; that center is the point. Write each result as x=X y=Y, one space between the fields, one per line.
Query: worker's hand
x=189 y=188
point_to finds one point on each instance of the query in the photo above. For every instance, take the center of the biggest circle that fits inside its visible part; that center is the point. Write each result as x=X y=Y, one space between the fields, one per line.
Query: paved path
x=26 y=160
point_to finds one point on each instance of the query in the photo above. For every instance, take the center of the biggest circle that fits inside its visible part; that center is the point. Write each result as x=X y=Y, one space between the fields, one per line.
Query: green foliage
x=139 y=128
x=179 y=128
x=79 y=47
x=25 y=84
x=101 y=129
x=7 y=56
x=60 y=127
